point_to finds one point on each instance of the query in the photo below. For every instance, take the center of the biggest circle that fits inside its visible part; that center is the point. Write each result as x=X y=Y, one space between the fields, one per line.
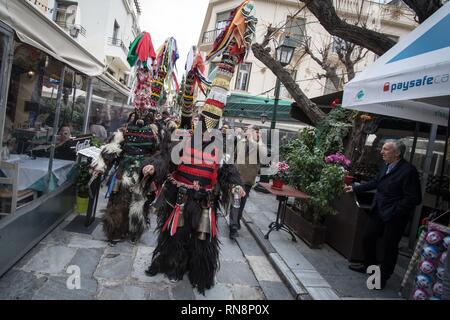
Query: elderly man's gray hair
x=399 y=146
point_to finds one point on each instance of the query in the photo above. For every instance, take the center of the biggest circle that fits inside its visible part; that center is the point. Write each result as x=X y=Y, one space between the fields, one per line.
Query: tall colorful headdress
x=233 y=43
x=142 y=55
x=165 y=68
x=195 y=69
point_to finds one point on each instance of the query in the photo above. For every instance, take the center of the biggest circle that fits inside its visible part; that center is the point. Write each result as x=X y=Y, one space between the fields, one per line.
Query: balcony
x=118 y=43
x=210 y=36
x=73 y=29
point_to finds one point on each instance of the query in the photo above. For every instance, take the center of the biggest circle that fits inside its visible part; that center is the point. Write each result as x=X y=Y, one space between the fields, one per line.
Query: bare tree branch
x=311 y=110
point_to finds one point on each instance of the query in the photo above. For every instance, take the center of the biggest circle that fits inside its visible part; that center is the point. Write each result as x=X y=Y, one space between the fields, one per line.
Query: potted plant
x=82 y=181
x=341 y=160
x=313 y=171
x=280 y=177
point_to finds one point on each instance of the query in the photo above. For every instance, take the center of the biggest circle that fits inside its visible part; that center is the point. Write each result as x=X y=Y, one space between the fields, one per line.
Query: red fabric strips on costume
x=173 y=220
x=145 y=48
x=215 y=103
x=137 y=134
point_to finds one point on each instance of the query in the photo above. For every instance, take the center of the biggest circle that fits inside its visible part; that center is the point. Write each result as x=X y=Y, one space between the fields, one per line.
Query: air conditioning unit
x=74 y=31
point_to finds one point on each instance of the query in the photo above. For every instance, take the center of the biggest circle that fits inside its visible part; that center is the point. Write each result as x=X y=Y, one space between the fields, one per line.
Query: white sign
x=91 y=152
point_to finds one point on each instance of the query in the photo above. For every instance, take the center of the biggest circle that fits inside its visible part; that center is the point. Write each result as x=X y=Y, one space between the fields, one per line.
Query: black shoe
x=358 y=267
x=172 y=277
x=234 y=234
x=151 y=272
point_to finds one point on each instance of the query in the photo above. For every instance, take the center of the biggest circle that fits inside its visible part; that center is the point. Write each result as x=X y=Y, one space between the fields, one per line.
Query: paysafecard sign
x=412 y=84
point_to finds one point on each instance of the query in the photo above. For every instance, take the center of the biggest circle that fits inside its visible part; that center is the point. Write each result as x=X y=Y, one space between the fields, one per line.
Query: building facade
x=255 y=79
x=104 y=27
x=57 y=90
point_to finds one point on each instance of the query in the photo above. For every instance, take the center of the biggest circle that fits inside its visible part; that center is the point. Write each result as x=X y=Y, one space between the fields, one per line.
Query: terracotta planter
x=348 y=180
x=313 y=235
x=277 y=184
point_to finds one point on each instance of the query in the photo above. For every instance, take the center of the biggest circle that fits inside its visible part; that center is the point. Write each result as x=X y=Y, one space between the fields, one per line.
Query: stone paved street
x=117 y=273
x=322 y=272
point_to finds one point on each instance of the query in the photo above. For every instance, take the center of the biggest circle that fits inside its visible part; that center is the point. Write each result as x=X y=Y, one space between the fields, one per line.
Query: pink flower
x=338 y=158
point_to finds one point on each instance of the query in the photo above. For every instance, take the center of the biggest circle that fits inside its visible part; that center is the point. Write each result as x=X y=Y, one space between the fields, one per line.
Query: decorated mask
x=440 y=273
x=427 y=267
x=419 y=294
x=446 y=242
x=438 y=288
x=443 y=258
x=424 y=281
x=434 y=237
x=431 y=252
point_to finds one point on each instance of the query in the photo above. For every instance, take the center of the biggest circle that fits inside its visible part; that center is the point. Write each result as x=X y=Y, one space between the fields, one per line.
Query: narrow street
x=117 y=273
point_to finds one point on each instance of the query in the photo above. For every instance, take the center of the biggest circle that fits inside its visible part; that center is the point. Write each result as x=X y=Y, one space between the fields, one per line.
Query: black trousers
x=391 y=233
x=236 y=215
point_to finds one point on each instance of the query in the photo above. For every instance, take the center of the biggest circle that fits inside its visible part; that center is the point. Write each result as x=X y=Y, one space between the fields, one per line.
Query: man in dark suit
x=398 y=192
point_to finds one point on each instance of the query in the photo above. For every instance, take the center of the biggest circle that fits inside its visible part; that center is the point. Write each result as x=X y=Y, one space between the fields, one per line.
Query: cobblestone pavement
x=117 y=273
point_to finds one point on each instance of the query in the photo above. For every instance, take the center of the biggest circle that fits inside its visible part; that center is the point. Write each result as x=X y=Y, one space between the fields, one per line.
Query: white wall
x=97 y=17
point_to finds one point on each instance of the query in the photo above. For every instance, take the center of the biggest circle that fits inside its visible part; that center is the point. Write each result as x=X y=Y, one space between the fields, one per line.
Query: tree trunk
x=311 y=110
x=423 y=8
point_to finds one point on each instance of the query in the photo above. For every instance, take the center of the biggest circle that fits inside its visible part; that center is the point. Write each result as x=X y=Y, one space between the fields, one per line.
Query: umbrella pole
x=426 y=169
x=444 y=159
x=414 y=146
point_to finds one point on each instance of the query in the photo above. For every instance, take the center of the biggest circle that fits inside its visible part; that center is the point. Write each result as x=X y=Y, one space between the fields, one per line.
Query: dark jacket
x=398 y=192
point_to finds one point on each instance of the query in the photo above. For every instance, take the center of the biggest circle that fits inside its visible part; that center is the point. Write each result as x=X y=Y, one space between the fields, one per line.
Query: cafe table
x=282 y=196
x=32 y=172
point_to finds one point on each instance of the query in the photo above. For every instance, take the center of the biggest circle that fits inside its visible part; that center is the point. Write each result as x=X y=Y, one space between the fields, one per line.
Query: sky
x=181 y=19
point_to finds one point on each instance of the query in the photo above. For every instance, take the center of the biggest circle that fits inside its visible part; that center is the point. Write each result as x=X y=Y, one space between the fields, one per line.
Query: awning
x=252 y=107
x=412 y=80
x=34 y=28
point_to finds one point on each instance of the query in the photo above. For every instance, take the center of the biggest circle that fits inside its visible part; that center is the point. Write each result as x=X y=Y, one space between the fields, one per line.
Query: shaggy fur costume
x=129 y=203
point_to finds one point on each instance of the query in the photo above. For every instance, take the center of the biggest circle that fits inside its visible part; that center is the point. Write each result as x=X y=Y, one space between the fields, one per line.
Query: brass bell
x=204 y=226
x=181 y=217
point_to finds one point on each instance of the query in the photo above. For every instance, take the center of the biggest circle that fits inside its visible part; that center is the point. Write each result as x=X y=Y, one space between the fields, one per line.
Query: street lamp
x=264 y=117
x=284 y=55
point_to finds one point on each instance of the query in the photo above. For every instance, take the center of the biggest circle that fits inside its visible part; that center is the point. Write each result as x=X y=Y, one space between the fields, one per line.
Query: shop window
x=30 y=122
x=296 y=31
x=109 y=110
x=222 y=19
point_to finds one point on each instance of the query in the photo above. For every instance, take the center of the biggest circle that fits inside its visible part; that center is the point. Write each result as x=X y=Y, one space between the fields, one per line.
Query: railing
x=68 y=27
x=211 y=36
x=118 y=43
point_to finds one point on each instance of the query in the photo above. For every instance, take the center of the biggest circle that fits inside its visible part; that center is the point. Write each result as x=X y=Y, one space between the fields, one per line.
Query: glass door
x=6 y=52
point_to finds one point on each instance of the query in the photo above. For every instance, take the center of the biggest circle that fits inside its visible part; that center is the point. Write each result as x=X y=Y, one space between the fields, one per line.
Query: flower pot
x=82 y=205
x=277 y=184
x=313 y=235
x=348 y=180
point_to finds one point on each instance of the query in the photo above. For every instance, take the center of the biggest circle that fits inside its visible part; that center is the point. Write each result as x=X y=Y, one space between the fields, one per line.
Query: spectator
x=98 y=130
x=248 y=171
x=398 y=192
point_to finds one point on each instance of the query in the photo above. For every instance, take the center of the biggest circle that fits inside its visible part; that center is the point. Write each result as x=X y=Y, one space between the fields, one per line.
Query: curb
x=294 y=285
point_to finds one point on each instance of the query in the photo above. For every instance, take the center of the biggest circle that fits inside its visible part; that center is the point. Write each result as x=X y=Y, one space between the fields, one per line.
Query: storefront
x=51 y=89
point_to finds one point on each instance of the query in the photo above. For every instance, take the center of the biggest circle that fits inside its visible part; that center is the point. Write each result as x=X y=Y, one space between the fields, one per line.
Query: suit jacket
x=398 y=192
